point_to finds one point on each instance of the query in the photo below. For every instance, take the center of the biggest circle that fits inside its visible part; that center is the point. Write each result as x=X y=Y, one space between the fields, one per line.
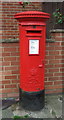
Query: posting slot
x=33 y=31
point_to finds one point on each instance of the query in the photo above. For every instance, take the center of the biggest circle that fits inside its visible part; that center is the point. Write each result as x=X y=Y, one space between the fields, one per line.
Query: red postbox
x=32 y=27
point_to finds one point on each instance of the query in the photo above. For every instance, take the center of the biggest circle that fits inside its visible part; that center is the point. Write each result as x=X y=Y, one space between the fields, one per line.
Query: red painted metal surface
x=32 y=27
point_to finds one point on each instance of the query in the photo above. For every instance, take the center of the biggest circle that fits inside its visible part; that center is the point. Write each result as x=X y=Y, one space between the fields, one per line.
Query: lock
x=40 y=66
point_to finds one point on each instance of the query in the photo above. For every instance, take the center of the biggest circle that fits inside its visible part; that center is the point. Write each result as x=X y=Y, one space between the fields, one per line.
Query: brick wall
x=54 y=68
x=9 y=24
x=9 y=52
x=10 y=78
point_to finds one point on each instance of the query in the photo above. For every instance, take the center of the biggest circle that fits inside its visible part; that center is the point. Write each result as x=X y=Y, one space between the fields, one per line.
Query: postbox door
x=36 y=63
x=32 y=62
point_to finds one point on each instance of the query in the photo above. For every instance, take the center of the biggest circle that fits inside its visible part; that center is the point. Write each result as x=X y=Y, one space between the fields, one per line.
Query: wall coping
x=17 y=41
x=9 y=41
x=57 y=30
x=47 y=40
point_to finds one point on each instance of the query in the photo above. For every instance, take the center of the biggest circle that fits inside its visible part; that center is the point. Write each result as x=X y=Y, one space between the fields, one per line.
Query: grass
x=18 y=117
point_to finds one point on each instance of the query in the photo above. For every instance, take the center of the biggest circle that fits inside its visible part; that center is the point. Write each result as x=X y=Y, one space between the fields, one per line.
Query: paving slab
x=52 y=110
x=43 y=113
x=7 y=113
x=0 y=114
x=0 y=109
x=56 y=104
x=7 y=103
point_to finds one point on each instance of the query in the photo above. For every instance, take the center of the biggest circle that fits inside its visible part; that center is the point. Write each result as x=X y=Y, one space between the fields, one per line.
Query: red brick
x=2 y=77
x=46 y=70
x=58 y=34
x=62 y=43
x=48 y=74
x=0 y=63
x=15 y=81
x=50 y=48
x=16 y=90
x=46 y=62
x=17 y=58
x=1 y=68
x=58 y=65
x=48 y=91
x=55 y=78
x=1 y=86
x=9 y=49
x=5 y=54
x=59 y=38
x=50 y=57
x=62 y=52
x=4 y=37
x=1 y=59
x=58 y=57
x=55 y=44
x=11 y=77
x=61 y=69
x=10 y=86
x=15 y=54
x=6 y=73
x=58 y=48
x=8 y=90
x=18 y=76
x=5 y=82
x=49 y=66
x=6 y=63
x=57 y=74
x=53 y=91
x=16 y=72
x=53 y=70
x=46 y=79
x=1 y=73
x=62 y=78
x=0 y=44
x=62 y=61
x=54 y=61
x=11 y=68
x=53 y=52
x=46 y=52
x=13 y=95
x=1 y=50
x=48 y=83
x=63 y=82
x=53 y=87
x=15 y=63
x=57 y=82
x=9 y=58
x=3 y=95
x=18 y=85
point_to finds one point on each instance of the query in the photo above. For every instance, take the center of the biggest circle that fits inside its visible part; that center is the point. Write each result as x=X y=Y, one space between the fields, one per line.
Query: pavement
x=53 y=109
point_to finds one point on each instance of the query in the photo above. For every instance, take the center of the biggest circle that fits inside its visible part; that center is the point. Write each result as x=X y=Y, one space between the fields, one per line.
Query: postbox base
x=32 y=100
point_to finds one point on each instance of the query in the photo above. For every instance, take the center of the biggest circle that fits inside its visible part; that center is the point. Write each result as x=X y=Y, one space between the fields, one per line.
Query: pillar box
x=32 y=30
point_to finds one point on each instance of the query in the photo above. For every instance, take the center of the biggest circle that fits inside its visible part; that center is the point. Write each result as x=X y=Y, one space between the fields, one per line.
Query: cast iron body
x=32 y=27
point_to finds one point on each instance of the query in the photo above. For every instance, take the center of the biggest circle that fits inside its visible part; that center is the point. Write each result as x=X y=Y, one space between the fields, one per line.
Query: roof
x=32 y=14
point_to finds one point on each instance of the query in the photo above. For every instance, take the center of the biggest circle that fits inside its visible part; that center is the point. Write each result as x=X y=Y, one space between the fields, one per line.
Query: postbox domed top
x=32 y=14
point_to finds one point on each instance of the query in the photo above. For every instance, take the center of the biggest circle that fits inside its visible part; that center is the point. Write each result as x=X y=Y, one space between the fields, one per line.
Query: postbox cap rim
x=32 y=14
